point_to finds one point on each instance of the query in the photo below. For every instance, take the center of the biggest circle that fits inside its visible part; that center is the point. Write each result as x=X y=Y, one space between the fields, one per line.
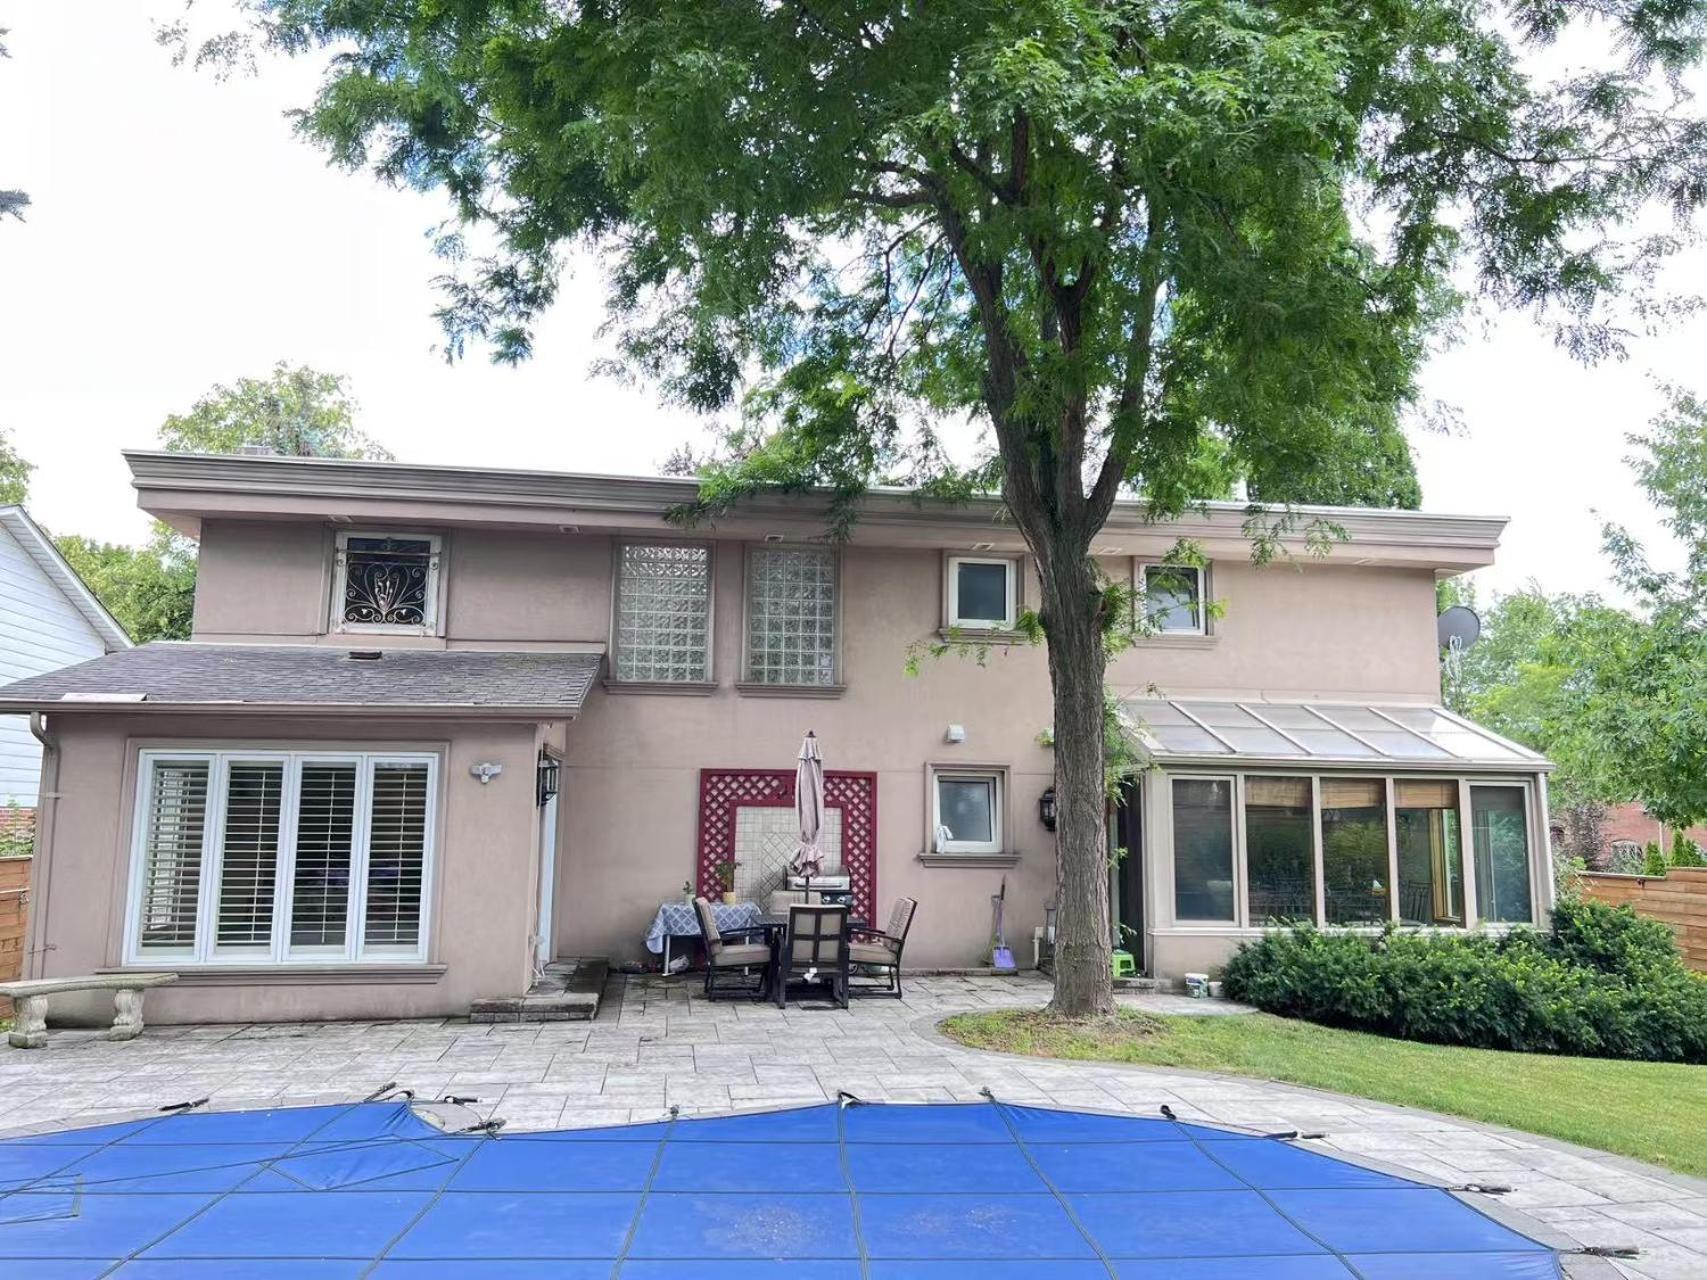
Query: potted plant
x=687 y=892
x=726 y=878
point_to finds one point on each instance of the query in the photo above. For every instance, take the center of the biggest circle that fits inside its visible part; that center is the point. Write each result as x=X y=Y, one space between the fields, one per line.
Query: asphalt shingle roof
x=314 y=675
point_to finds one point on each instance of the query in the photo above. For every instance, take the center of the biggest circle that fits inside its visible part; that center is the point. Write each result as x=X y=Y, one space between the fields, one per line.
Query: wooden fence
x=1679 y=898
x=14 y=906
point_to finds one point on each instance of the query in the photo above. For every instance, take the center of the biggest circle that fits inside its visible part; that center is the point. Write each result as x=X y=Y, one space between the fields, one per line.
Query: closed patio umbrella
x=809 y=807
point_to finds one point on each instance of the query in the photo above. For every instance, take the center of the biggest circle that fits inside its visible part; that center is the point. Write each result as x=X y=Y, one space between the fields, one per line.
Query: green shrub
x=1603 y=982
x=1685 y=852
x=1654 y=859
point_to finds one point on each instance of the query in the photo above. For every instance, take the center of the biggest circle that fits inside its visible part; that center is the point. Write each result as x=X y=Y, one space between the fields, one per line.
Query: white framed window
x=1172 y=597
x=263 y=857
x=386 y=582
x=662 y=628
x=966 y=810
x=791 y=616
x=983 y=593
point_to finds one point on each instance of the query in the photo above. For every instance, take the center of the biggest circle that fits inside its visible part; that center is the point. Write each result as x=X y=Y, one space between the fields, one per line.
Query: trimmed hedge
x=1602 y=982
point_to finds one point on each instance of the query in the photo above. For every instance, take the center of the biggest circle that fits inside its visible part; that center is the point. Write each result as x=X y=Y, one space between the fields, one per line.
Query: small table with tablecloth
x=677 y=920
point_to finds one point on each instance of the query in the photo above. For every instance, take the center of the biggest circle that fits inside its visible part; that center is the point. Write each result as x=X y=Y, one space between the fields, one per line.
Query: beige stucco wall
x=628 y=817
x=483 y=895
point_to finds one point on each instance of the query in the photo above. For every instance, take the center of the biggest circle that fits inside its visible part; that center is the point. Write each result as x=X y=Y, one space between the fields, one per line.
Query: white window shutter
x=172 y=854
x=249 y=854
x=397 y=848
x=325 y=847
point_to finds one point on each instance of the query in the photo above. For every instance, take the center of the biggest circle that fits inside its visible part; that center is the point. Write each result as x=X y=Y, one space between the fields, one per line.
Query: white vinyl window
x=663 y=612
x=791 y=616
x=1171 y=596
x=258 y=857
x=982 y=593
x=966 y=810
x=386 y=582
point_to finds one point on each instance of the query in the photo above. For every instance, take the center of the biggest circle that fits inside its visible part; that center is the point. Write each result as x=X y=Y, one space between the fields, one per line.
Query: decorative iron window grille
x=663 y=612
x=791 y=616
x=388 y=581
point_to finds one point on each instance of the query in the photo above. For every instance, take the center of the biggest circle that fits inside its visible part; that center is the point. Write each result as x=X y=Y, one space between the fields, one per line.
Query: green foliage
x=293 y=411
x=17 y=835
x=11 y=202
x=14 y=473
x=1603 y=982
x=1685 y=852
x=150 y=589
x=1653 y=859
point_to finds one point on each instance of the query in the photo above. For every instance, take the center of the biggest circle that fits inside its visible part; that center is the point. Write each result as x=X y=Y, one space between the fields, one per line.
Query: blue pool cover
x=895 y=1192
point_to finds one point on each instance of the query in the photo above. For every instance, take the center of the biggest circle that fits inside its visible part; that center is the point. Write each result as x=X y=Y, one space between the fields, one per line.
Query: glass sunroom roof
x=1402 y=735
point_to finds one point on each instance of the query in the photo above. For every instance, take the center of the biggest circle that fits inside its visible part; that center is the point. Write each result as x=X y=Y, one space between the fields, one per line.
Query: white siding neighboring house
x=48 y=620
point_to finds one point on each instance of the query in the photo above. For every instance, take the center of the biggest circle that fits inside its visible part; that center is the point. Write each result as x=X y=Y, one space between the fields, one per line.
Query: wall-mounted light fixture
x=1046 y=808
x=486 y=770
x=550 y=770
x=955 y=733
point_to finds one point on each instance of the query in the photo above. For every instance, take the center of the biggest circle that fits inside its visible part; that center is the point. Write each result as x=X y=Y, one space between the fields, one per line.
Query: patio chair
x=729 y=965
x=816 y=947
x=781 y=900
x=874 y=950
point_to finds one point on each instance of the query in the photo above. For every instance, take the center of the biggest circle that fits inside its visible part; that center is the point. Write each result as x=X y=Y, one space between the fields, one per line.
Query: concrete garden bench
x=29 y=1001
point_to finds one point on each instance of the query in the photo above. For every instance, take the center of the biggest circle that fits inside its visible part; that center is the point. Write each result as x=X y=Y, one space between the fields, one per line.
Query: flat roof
x=1394 y=736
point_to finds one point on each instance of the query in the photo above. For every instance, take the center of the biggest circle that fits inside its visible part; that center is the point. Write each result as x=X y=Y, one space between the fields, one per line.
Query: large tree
x=150 y=589
x=295 y=411
x=1106 y=230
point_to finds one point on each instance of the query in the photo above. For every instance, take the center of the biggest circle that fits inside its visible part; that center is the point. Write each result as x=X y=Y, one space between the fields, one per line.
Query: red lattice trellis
x=723 y=791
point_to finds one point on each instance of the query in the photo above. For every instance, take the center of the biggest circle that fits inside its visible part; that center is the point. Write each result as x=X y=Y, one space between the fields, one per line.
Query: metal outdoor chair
x=873 y=950
x=815 y=950
x=729 y=965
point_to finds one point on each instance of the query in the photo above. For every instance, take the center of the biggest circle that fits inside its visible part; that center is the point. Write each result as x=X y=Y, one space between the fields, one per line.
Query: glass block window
x=791 y=616
x=663 y=612
x=387 y=581
x=220 y=835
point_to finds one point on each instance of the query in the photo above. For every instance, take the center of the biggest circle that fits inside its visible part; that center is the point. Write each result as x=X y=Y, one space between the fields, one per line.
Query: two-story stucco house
x=437 y=724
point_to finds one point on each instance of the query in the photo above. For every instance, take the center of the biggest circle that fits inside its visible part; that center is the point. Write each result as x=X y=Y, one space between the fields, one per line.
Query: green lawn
x=1654 y=1111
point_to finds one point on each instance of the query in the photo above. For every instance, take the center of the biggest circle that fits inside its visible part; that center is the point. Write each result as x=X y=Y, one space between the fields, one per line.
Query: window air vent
x=365 y=655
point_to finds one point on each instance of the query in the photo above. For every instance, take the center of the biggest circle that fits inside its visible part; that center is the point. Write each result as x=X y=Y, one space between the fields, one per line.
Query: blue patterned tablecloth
x=677 y=920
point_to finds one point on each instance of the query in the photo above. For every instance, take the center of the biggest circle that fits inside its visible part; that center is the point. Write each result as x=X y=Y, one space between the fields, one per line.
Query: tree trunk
x=1072 y=621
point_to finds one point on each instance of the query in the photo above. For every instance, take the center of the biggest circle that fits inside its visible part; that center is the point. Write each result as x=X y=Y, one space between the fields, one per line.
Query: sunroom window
x=261 y=857
x=1431 y=858
x=1499 y=836
x=387 y=582
x=1203 y=849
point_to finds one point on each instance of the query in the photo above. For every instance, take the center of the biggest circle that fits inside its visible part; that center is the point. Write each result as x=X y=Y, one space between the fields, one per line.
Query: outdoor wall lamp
x=486 y=770
x=1046 y=808
x=550 y=768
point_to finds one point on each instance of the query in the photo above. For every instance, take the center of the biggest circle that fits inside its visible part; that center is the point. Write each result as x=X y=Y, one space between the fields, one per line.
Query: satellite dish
x=1458 y=628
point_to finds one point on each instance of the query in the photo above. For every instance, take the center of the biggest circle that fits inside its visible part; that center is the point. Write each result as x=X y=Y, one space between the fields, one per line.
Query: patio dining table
x=677 y=920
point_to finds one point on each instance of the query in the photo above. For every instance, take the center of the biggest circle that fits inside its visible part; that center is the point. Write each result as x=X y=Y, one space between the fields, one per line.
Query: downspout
x=47 y=794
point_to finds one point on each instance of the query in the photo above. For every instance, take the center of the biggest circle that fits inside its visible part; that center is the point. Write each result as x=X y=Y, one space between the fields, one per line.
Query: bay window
x=254 y=857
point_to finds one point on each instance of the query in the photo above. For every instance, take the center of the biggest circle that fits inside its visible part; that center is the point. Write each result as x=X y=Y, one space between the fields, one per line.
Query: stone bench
x=29 y=1003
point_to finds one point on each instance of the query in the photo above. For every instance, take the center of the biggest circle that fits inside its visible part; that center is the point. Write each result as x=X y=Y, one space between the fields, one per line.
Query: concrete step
x=568 y=991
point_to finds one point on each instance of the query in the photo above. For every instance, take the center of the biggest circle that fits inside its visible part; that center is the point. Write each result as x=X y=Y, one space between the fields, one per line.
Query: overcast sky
x=180 y=236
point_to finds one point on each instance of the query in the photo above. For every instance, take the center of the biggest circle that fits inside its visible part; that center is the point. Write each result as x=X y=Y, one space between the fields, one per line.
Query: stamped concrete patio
x=655 y=1045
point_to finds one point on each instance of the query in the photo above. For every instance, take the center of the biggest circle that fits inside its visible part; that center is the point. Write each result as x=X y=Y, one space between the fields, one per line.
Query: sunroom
x=1257 y=814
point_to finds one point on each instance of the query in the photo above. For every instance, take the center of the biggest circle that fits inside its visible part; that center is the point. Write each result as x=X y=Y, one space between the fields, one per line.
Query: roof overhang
x=190 y=678
x=185 y=489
